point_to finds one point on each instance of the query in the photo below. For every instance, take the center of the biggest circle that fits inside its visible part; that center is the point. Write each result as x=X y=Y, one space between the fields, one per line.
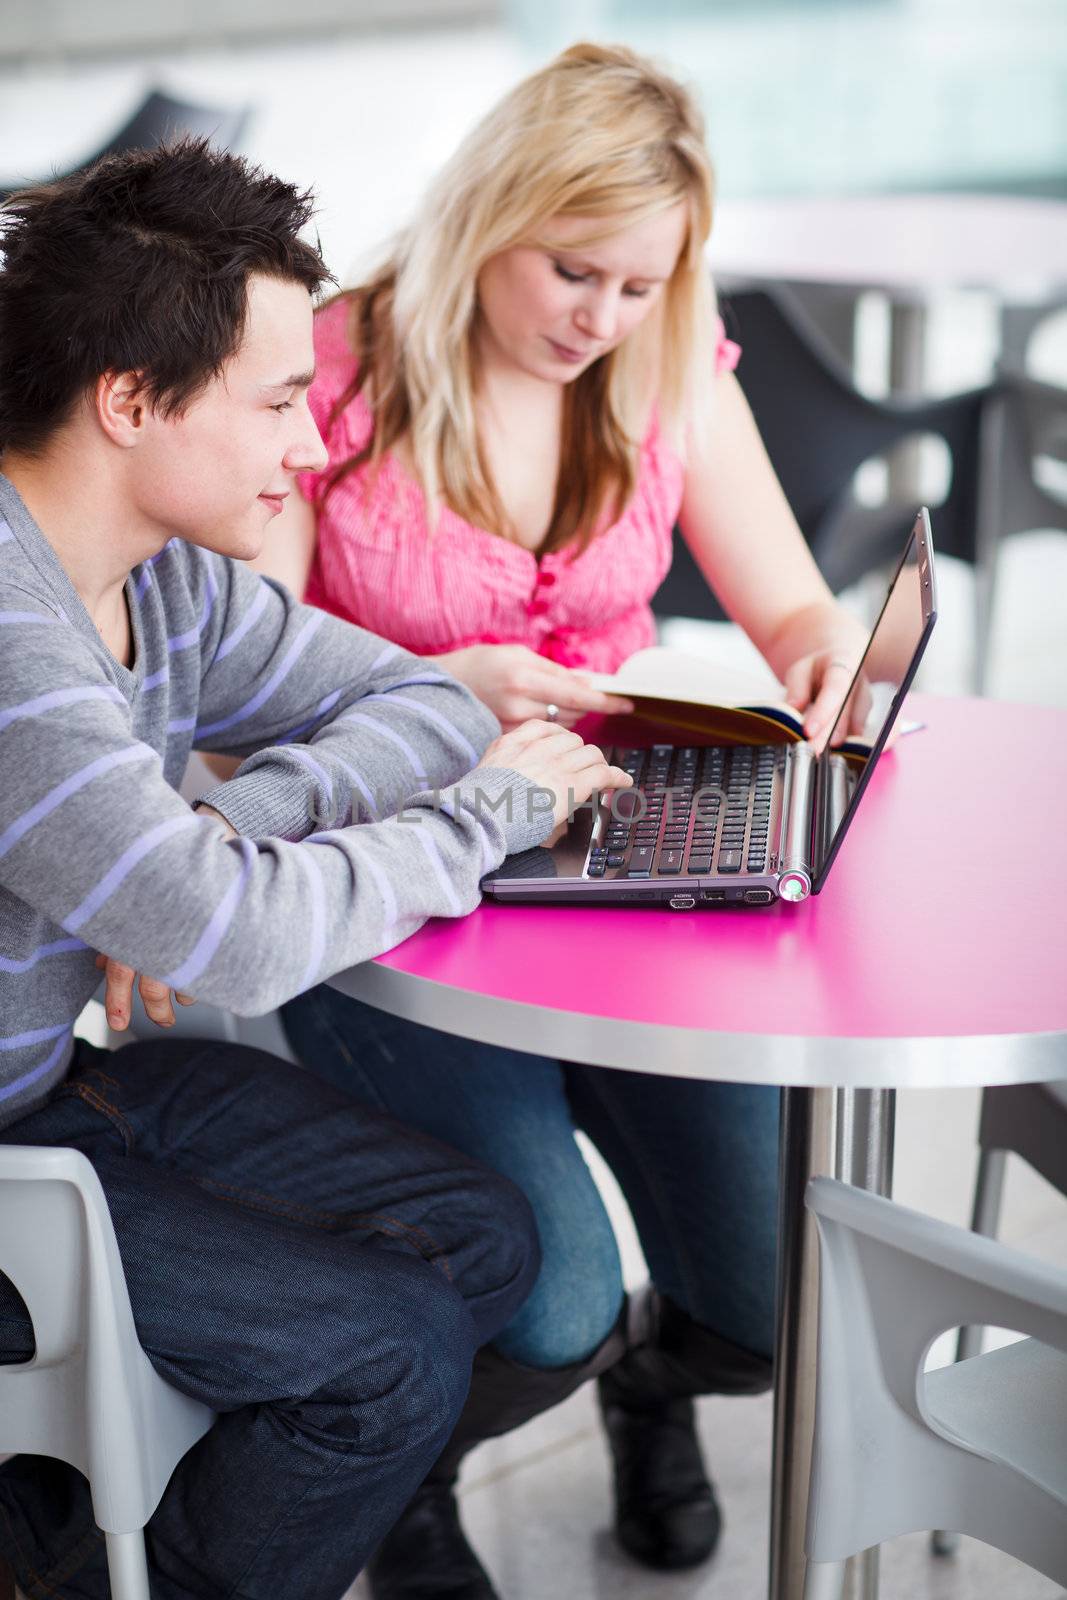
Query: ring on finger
x=552 y=712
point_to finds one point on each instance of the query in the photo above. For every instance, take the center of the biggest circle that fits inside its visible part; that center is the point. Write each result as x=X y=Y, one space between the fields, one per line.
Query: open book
x=699 y=695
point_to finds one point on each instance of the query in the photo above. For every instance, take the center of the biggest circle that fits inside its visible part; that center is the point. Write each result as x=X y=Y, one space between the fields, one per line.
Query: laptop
x=709 y=825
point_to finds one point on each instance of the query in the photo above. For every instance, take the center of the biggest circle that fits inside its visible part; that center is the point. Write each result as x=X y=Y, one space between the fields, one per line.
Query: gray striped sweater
x=339 y=732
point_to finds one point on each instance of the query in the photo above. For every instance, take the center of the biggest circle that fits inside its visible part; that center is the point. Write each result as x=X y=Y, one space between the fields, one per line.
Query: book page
x=662 y=674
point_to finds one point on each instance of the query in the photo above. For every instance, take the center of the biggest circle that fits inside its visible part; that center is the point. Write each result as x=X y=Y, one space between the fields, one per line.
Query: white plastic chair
x=977 y=1447
x=1031 y=1120
x=89 y=1396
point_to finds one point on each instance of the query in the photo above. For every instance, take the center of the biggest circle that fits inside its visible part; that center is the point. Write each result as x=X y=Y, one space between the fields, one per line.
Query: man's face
x=218 y=475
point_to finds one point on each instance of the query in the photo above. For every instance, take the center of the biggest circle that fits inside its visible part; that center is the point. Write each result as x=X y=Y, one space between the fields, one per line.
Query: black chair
x=1027 y=431
x=159 y=117
x=818 y=429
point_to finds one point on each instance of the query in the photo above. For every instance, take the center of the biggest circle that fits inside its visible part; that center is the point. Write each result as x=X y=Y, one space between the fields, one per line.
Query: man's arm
x=92 y=835
x=335 y=724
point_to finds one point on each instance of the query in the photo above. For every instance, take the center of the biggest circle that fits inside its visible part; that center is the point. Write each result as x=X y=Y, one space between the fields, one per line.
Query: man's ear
x=120 y=408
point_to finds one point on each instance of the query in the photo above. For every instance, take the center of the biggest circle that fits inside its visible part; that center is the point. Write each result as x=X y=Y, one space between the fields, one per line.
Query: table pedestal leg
x=907 y=339
x=847 y=1133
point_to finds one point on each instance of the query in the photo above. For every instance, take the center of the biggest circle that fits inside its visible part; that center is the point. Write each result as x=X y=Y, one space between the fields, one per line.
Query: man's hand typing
x=556 y=760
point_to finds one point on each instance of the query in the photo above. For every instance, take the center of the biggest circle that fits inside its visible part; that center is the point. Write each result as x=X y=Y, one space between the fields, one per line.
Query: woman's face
x=551 y=312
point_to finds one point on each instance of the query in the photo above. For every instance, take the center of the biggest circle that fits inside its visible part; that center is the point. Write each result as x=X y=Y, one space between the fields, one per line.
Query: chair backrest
x=89 y=1396
x=157 y=118
x=885 y=1461
x=160 y=117
x=818 y=430
x=1029 y=424
x=1031 y=1119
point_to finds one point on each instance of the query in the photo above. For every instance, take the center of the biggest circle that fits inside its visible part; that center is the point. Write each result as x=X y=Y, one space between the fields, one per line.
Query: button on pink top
x=378 y=564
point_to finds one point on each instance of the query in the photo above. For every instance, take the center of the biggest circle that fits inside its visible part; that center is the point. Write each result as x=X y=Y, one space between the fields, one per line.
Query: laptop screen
x=883 y=678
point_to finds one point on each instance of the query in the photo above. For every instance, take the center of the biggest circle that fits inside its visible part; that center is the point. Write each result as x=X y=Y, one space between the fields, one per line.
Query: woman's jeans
x=316 y=1273
x=696 y=1161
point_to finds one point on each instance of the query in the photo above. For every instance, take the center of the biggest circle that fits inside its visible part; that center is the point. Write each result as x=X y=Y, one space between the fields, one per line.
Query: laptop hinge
x=796 y=834
x=832 y=791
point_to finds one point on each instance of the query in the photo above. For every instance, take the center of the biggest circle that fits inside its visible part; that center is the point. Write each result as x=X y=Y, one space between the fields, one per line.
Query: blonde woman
x=518 y=408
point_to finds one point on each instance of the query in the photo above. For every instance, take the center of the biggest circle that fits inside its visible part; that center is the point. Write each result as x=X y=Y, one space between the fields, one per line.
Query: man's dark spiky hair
x=139 y=264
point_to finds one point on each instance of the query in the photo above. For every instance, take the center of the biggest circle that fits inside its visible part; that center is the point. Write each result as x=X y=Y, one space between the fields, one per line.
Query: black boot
x=426 y=1552
x=666 y=1514
x=425 y=1555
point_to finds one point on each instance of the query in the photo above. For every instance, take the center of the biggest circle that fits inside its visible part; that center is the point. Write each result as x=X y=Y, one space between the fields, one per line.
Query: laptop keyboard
x=693 y=809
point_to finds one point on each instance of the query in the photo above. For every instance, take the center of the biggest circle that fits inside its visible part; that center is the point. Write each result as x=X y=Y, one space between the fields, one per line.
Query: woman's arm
x=289 y=545
x=745 y=539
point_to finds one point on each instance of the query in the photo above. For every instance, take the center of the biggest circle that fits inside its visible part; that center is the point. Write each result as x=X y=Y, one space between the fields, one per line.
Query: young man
x=315 y=1273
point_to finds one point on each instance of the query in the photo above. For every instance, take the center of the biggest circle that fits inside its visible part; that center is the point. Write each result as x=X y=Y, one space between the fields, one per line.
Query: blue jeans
x=697 y=1162
x=313 y=1271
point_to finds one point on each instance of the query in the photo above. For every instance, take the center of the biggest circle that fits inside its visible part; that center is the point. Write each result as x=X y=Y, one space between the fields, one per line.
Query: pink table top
x=941 y=918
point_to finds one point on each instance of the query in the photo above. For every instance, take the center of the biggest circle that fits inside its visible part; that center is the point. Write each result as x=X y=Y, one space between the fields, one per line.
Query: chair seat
x=1010 y=1405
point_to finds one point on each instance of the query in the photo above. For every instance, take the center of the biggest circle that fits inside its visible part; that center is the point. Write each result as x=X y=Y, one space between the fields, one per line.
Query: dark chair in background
x=1026 y=440
x=818 y=430
x=157 y=118
x=1025 y=433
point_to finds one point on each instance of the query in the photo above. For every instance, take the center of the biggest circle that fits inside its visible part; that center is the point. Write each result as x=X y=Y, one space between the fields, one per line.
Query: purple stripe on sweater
x=185 y=976
x=322 y=777
x=182 y=641
x=57 y=697
x=292 y=655
x=124 y=866
x=433 y=855
x=58 y=947
x=252 y=615
x=383 y=656
x=320 y=711
x=368 y=798
x=316 y=909
x=387 y=733
x=62 y=791
x=181 y=724
x=146 y=567
x=489 y=861
x=5 y=532
x=412 y=683
x=28 y=1079
x=434 y=716
x=380 y=878
x=25 y=616
x=18 y=1041
x=154 y=679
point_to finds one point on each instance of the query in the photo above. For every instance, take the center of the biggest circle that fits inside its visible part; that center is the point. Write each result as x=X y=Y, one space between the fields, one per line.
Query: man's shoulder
x=26 y=599
x=22 y=584
x=41 y=650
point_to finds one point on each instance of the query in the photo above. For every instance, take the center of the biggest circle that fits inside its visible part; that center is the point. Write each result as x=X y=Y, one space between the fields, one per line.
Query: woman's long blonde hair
x=599 y=133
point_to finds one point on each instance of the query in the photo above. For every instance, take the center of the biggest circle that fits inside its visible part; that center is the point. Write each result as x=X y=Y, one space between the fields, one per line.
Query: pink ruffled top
x=378 y=564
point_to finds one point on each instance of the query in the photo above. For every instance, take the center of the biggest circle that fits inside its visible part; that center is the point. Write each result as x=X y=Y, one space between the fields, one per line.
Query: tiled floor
x=365 y=121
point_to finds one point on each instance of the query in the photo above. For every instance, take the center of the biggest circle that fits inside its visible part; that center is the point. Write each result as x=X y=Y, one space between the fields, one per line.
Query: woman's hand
x=556 y=760
x=517 y=685
x=816 y=684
